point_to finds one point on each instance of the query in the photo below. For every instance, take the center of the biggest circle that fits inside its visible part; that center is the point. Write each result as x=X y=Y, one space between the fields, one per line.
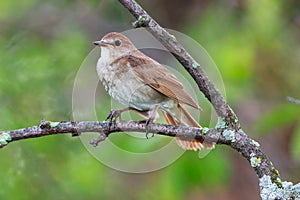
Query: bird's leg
x=144 y=114
x=152 y=116
x=115 y=114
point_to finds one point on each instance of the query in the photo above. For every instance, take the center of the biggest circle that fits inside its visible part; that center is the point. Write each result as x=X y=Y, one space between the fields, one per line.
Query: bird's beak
x=101 y=43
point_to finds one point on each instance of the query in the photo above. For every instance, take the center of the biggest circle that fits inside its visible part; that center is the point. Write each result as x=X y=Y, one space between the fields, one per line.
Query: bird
x=144 y=86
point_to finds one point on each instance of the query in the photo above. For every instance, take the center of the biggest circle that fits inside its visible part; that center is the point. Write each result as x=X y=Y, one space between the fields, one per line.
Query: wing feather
x=158 y=77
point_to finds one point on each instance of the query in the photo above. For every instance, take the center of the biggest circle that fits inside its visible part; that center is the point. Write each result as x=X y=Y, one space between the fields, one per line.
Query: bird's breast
x=123 y=85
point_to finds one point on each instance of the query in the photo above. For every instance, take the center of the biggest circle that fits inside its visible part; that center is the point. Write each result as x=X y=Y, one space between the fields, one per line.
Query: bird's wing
x=158 y=77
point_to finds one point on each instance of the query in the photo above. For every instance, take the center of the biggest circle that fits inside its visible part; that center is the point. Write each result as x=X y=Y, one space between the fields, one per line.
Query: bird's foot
x=150 y=120
x=147 y=122
x=114 y=115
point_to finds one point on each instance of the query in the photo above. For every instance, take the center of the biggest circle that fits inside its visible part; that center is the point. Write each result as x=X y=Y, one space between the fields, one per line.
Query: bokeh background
x=255 y=44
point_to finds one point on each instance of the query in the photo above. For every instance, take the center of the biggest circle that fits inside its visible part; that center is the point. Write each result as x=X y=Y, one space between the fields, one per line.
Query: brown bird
x=144 y=85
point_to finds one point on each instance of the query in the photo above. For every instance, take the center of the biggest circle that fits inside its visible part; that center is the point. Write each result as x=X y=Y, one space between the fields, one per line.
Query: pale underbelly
x=133 y=93
x=137 y=95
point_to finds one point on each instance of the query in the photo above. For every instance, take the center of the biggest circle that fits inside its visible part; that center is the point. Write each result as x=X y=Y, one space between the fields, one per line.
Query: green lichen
x=255 y=143
x=275 y=171
x=141 y=18
x=278 y=182
x=4 y=138
x=195 y=65
x=205 y=130
x=233 y=117
x=255 y=161
x=229 y=135
x=141 y=22
x=221 y=123
x=270 y=190
x=234 y=120
x=54 y=124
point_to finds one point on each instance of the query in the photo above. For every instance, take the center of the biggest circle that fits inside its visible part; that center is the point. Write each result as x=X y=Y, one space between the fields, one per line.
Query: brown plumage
x=144 y=85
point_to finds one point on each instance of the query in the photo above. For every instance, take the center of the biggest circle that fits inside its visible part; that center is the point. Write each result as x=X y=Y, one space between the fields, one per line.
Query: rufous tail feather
x=187 y=120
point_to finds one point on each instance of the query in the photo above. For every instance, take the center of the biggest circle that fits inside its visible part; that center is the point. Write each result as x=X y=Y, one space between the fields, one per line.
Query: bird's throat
x=107 y=56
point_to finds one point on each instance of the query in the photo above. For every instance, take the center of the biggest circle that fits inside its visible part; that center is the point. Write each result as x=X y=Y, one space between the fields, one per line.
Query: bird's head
x=115 y=44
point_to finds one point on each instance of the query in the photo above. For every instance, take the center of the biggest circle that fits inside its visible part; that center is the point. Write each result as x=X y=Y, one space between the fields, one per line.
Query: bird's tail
x=186 y=120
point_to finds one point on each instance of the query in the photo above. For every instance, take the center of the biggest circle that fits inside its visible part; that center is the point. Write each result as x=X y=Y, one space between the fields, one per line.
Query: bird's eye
x=117 y=42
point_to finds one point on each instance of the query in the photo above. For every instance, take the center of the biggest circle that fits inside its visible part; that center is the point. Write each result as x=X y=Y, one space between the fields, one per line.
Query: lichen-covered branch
x=46 y=128
x=227 y=131
x=220 y=135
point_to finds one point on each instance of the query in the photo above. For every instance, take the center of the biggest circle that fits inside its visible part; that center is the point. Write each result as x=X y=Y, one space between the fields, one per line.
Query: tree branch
x=220 y=135
x=227 y=131
x=76 y=128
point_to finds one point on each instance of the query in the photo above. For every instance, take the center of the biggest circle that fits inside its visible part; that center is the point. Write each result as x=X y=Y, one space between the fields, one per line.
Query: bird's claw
x=147 y=133
x=114 y=115
x=148 y=121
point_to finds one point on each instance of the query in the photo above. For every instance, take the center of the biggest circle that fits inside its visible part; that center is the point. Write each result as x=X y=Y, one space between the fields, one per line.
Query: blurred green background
x=255 y=44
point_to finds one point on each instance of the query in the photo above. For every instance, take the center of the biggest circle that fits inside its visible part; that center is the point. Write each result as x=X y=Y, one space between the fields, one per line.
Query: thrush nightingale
x=144 y=86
